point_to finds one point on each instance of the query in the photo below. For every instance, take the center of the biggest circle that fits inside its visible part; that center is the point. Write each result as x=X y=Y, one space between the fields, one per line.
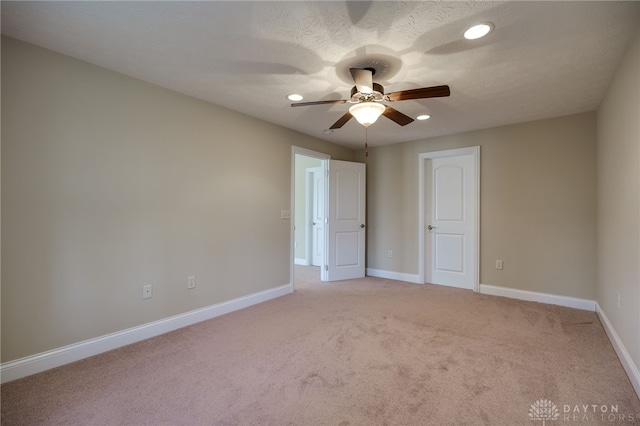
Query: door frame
x=296 y=150
x=422 y=214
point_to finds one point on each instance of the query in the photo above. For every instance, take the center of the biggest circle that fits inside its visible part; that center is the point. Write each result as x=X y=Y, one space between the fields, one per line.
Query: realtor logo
x=543 y=409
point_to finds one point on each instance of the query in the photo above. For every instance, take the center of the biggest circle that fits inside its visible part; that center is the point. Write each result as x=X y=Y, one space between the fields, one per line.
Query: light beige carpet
x=360 y=352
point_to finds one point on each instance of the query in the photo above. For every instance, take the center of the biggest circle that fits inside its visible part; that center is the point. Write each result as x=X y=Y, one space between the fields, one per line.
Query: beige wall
x=619 y=202
x=110 y=183
x=537 y=196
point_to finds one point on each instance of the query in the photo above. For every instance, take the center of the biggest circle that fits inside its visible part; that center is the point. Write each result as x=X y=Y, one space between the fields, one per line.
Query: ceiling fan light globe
x=367 y=112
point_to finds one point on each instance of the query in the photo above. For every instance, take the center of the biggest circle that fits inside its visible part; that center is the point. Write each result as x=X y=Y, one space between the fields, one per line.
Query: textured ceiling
x=543 y=59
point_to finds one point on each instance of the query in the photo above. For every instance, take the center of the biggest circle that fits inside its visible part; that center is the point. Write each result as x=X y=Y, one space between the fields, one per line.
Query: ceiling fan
x=367 y=97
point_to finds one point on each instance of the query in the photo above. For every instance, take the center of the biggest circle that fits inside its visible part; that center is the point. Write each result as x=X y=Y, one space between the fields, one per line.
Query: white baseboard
x=625 y=359
x=33 y=364
x=399 y=276
x=300 y=261
x=532 y=296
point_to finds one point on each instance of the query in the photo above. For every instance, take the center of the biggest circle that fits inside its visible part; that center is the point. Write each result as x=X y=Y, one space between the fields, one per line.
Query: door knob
x=362 y=225
x=431 y=227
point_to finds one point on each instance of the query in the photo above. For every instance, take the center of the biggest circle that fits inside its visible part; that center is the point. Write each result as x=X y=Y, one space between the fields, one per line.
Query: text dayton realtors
x=586 y=412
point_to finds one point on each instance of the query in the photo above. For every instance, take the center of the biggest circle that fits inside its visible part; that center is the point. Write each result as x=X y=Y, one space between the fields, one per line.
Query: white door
x=346 y=220
x=451 y=220
x=317 y=216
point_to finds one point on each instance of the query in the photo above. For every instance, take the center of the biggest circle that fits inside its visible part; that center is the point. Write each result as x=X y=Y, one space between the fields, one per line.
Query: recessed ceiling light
x=423 y=117
x=478 y=31
x=328 y=132
x=295 y=97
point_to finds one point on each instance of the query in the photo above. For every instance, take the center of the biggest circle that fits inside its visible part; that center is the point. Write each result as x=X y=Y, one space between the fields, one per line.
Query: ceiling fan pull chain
x=366 y=142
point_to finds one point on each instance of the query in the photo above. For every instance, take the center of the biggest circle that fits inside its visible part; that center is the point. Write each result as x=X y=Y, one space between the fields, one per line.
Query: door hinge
x=326 y=267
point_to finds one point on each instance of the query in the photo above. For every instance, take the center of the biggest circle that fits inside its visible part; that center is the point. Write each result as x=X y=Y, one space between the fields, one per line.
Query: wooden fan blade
x=339 y=101
x=425 y=92
x=397 y=116
x=363 y=79
x=341 y=121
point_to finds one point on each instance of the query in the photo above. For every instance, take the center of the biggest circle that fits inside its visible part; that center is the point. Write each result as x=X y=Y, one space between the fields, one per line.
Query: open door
x=346 y=214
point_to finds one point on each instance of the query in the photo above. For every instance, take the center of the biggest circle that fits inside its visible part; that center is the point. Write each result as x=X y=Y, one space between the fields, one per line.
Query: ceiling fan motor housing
x=376 y=95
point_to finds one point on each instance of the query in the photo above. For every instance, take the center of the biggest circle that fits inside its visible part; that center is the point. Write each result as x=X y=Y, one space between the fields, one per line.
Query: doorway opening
x=333 y=236
x=308 y=233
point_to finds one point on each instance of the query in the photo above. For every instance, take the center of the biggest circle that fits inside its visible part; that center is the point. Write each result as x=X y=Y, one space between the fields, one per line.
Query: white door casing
x=449 y=218
x=346 y=207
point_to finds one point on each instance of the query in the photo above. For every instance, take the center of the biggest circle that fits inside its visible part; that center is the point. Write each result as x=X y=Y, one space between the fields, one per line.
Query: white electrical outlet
x=147 y=291
x=191 y=282
x=499 y=264
x=285 y=214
